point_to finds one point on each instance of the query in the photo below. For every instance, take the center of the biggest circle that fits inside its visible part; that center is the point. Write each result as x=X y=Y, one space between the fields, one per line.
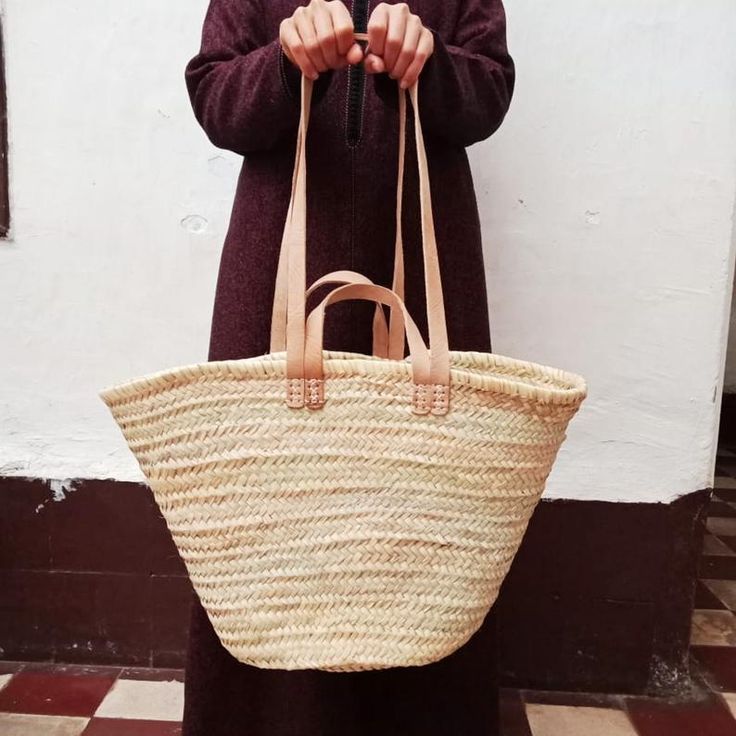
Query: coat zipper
x=356 y=81
x=354 y=123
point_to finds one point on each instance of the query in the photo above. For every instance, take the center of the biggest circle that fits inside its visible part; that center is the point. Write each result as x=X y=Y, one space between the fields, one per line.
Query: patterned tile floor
x=71 y=700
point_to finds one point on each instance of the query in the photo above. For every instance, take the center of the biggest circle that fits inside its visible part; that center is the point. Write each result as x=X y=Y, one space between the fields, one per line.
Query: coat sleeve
x=243 y=89
x=466 y=86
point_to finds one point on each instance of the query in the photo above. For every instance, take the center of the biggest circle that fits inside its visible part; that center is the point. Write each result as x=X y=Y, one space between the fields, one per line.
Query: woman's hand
x=398 y=43
x=319 y=36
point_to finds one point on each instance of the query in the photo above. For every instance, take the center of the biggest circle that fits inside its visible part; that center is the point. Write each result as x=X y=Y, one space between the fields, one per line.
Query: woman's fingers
x=294 y=49
x=342 y=24
x=377 y=29
x=355 y=54
x=397 y=18
x=408 y=50
x=374 y=64
x=319 y=36
x=399 y=43
x=323 y=36
x=305 y=27
x=424 y=50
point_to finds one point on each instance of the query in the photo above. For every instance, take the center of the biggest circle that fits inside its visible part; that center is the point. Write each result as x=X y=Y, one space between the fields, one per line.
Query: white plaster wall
x=606 y=199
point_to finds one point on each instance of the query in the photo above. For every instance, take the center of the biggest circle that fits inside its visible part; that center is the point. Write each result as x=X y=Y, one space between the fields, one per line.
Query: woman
x=244 y=88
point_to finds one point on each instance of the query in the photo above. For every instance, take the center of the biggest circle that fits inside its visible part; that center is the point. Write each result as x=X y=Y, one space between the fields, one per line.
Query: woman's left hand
x=399 y=43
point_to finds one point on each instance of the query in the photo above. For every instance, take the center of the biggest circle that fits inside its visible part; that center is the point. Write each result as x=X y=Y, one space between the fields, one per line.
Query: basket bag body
x=340 y=511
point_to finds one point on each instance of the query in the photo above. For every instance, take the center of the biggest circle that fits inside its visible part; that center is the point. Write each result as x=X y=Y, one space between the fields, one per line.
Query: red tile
x=44 y=693
x=654 y=717
x=128 y=727
x=718 y=664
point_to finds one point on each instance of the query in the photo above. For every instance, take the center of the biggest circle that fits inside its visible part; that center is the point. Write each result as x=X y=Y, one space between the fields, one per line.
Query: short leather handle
x=381 y=348
x=313 y=353
x=426 y=397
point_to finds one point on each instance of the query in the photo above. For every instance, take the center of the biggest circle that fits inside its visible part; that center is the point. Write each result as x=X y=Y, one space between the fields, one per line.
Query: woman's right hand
x=319 y=36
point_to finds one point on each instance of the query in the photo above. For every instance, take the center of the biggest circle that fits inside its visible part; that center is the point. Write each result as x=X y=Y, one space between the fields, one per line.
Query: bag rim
x=514 y=377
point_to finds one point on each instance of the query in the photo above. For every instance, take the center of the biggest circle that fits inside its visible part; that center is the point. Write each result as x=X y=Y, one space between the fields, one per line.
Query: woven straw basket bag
x=339 y=511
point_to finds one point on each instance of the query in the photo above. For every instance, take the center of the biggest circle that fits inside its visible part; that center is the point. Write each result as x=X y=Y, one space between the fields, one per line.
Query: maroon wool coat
x=245 y=95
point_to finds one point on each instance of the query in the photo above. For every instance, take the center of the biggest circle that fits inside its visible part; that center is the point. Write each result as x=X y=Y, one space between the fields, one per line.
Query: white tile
x=713 y=546
x=725 y=590
x=730 y=699
x=723 y=525
x=16 y=724
x=144 y=700
x=4 y=680
x=713 y=628
x=564 y=720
